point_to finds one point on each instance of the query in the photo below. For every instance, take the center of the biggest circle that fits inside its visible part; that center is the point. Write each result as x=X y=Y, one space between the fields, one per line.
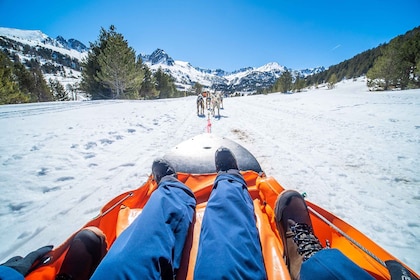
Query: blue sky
x=226 y=34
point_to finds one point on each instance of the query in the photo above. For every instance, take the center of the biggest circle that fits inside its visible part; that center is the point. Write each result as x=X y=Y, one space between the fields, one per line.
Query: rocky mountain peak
x=159 y=56
x=72 y=44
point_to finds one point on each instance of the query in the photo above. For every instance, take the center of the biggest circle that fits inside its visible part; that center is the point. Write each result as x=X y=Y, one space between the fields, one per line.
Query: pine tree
x=58 y=90
x=118 y=68
x=25 y=79
x=40 y=90
x=417 y=72
x=9 y=87
x=90 y=69
x=383 y=74
x=299 y=83
x=165 y=85
x=198 y=88
x=148 y=89
x=332 y=81
x=409 y=55
x=284 y=82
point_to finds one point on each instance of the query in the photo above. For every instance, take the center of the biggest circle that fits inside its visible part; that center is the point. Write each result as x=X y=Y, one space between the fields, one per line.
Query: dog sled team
x=211 y=102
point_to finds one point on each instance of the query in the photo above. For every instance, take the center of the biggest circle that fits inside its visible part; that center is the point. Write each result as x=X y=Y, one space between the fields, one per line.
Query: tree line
x=388 y=66
x=110 y=71
x=398 y=66
x=20 y=85
x=287 y=82
x=113 y=71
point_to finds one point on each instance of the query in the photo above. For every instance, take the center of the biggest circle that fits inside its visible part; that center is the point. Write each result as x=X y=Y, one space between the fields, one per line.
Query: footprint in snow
x=89 y=155
x=106 y=141
x=123 y=165
x=90 y=145
x=42 y=172
x=65 y=178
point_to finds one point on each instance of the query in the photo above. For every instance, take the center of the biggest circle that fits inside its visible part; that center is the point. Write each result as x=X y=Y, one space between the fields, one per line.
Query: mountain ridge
x=246 y=79
x=185 y=75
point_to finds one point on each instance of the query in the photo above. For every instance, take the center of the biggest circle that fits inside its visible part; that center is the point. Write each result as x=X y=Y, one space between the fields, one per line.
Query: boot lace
x=308 y=244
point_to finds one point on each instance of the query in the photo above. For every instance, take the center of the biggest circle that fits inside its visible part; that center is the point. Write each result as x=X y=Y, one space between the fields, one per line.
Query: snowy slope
x=186 y=75
x=37 y=38
x=243 y=80
x=65 y=55
x=353 y=152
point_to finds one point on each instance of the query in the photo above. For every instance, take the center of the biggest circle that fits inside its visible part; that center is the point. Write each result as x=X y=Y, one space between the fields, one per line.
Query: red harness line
x=208 y=128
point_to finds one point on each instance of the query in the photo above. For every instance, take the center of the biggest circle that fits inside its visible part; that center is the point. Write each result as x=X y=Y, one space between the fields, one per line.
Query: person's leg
x=229 y=245
x=331 y=264
x=87 y=249
x=151 y=247
x=305 y=257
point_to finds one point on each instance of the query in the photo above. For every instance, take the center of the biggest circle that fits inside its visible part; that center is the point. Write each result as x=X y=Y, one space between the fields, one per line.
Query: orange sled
x=194 y=161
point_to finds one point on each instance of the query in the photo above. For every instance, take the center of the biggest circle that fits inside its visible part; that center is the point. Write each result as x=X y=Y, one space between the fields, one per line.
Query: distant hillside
x=56 y=58
x=354 y=67
x=61 y=59
x=248 y=79
x=401 y=53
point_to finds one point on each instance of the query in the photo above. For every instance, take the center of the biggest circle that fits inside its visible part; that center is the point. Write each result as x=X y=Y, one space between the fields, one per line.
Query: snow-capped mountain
x=244 y=80
x=61 y=59
x=35 y=38
x=158 y=57
x=72 y=44
x=184 y=74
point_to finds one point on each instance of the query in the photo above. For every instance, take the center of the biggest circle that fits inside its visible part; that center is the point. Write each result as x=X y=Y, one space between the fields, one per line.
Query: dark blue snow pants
x=229 y=246
x=330 y=264
x=151 y=247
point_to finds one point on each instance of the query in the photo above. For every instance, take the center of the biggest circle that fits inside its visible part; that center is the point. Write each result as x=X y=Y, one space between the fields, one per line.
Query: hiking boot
x=225 y=160
x=162 y=168
x=295 y=228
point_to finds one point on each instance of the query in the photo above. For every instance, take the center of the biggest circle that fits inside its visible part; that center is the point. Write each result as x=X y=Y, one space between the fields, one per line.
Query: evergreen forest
x=388 y=66
x=395 y=65
x=110 y=71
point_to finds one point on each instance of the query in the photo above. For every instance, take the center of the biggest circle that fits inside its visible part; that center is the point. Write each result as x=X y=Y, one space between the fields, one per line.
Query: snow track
x=31 y=109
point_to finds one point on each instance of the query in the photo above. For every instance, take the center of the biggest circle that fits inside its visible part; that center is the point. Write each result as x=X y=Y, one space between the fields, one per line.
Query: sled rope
x=116 y=204
x=347 y=237
x=208 y=128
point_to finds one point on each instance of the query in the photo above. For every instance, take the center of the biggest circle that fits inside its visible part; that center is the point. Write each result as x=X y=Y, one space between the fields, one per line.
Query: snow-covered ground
x=353 y=152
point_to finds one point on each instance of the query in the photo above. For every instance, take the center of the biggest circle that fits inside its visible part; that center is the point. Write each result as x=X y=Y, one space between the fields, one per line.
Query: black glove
x=398 y=271
x=23 y=265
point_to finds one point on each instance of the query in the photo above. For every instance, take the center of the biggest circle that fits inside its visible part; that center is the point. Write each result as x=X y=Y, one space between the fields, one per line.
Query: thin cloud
x=336 y=47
